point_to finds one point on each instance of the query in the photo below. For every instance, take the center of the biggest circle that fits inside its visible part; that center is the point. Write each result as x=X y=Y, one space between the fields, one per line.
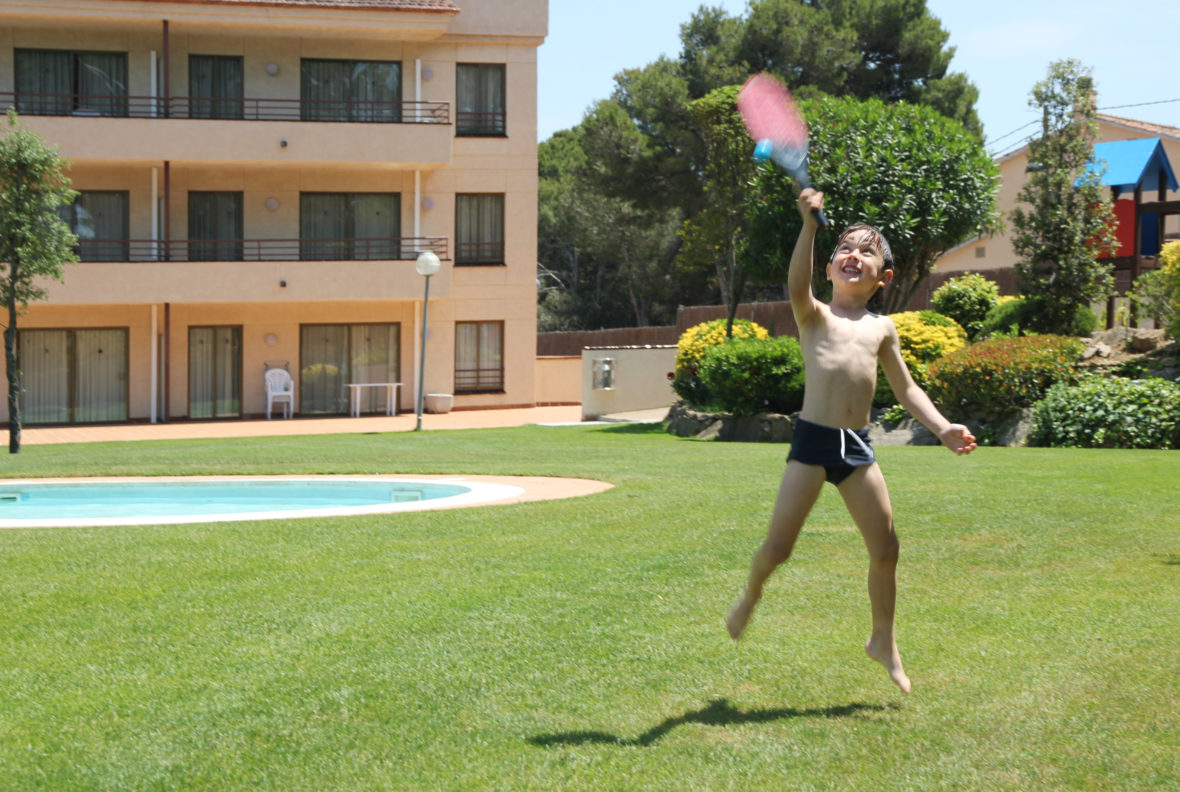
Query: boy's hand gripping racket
x=769 y=113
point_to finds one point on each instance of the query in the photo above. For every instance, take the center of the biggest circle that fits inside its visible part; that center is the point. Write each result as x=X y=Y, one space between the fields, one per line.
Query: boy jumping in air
x=842 y=344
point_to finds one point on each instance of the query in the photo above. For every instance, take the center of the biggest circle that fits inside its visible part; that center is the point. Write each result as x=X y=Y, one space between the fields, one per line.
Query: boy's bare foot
x=892 y=662
x=739 y=616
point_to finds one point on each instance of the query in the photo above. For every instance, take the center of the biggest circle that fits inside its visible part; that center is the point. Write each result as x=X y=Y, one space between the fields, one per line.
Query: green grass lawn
x=579 y=644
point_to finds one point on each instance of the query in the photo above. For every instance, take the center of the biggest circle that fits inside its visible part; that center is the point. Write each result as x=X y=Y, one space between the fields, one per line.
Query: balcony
x=208 y=108
x=352 y=249
x=139 y=271
x=405 y=135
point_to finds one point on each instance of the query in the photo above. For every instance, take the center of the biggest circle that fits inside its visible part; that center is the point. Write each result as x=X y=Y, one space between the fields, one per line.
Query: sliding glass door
x=214 y=372
x=333 y=356
x=74 y=376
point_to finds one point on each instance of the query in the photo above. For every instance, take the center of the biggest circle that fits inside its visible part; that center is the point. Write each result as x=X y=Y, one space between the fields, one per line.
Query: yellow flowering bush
x=693 y=344
x=696 y=340
x=924 y=337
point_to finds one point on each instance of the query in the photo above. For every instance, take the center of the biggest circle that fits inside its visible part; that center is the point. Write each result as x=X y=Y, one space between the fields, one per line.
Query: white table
x=354 y=396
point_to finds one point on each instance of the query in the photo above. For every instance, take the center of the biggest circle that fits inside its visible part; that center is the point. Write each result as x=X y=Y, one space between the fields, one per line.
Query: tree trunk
x=13 y=364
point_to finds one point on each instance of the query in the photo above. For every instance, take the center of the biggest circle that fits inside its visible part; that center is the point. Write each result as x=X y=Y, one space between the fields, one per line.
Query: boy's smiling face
x=859 y=261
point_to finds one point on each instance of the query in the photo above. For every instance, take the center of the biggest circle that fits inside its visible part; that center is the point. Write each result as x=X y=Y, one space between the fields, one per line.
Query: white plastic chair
x=279 y=388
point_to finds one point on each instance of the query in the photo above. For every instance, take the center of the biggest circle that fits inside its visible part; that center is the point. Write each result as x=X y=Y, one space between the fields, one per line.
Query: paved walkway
x=179 y=430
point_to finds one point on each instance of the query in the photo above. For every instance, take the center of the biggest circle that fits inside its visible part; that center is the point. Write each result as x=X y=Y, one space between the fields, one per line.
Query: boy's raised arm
x=956 y=437
x=803 y=302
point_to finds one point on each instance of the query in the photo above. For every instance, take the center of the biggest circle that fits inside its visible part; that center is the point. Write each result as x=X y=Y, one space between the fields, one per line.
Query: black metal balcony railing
x=372 y=249
x=334 y=110
x=480 y=124
x=479 y=253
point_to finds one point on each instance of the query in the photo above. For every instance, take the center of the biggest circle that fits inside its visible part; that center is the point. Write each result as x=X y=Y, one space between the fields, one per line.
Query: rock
x=1146 y=340
x=1014 y=430
x=907 y=431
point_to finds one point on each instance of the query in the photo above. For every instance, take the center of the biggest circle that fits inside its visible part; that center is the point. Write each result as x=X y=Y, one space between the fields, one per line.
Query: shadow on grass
x=718 y=713
x=632 y=428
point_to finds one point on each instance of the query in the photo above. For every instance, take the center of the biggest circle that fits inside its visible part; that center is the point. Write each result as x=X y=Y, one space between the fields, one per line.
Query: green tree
x=919 y=177
x=644 y=158
x=34 y=241
x=716 y=235
x=603 y=260
x=1068 y=219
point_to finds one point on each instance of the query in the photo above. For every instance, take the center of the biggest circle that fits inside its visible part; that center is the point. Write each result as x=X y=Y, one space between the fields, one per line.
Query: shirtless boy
x=842 y=344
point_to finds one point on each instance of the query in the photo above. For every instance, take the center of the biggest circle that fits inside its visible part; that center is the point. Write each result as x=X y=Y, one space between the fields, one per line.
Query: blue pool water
x=124 y=502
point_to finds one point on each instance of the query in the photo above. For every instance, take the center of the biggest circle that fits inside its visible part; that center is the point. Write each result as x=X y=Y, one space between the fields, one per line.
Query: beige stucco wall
x=559 y=380
x=130 y=154
x=640 y=380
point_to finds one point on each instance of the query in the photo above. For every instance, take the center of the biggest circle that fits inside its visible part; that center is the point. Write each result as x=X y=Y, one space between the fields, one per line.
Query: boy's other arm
x=803 y=303
x=956 y=437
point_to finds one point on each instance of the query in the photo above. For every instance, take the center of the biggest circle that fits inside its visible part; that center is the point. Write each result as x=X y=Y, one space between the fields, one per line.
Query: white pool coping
x=482 y=490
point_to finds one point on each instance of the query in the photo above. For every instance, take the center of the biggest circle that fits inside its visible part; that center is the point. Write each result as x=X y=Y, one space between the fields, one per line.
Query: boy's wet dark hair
x=876 y=238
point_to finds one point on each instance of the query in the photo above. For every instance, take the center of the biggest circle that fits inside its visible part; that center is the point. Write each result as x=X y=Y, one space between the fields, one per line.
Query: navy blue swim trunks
x=837 y=451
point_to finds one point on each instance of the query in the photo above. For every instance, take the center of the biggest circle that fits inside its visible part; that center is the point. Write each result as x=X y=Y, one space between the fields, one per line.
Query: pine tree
x=1069 y=218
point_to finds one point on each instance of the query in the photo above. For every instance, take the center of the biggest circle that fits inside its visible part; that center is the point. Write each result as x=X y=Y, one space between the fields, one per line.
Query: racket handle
x=766 y=150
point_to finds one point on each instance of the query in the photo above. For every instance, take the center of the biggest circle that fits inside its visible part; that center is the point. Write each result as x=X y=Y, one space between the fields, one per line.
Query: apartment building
x=257 y=180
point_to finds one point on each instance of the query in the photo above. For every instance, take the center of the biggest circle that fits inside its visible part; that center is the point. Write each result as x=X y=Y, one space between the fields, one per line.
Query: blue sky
x=1004 y=47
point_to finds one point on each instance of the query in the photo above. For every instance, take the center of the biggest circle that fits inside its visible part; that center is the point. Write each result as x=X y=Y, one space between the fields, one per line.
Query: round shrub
x=997 y=378
x=691 y=347
x=924 y=337
x=1157 y=293
x=966 y=299
x=748 y=376
x=1112 y=412
x=1006 y=319
x=1021 y=316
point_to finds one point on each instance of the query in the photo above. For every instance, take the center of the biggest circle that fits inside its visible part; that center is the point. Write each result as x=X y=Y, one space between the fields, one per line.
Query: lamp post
x=427 y=265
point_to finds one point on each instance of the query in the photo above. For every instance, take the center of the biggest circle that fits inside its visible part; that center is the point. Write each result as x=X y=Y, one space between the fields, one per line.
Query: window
x=349 y=226
x=60 y=82
x=215 y=86
x=479 y=229
x=341 y=90
x=479 y=356
x=214 y=372
x=479 y=105
x=215 y=226
x=74 y=376
x=331 y=356
x=99 y=218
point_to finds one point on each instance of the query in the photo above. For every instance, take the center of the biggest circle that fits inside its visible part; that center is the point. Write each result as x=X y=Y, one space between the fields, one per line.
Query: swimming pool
x=139 y=501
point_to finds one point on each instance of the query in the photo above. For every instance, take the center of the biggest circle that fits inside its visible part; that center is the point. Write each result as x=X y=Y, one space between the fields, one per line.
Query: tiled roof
x=383 y=5
x=1160 y=130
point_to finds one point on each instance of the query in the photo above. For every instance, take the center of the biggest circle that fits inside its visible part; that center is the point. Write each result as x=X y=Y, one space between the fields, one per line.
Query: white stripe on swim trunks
x=859 y=442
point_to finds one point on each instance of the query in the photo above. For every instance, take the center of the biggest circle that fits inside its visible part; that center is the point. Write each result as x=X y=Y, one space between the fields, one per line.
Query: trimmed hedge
x=751 y=376
x=967 y=299
x=997 y=378
x=692 y=346
x=1109 y=412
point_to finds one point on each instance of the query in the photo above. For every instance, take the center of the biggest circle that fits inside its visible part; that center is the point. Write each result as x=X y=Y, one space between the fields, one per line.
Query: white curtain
x=43 y=82
x=479 y=229
x=479 y=356
x=45 y=373
x=215 y=86
x=479 y=99
x=100 y=374
x=375 y=357
x=323 y=356
x=214 y=371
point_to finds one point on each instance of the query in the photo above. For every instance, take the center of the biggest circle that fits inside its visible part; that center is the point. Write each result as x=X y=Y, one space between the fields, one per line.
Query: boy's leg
x=797 y=493
x=867 y=499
